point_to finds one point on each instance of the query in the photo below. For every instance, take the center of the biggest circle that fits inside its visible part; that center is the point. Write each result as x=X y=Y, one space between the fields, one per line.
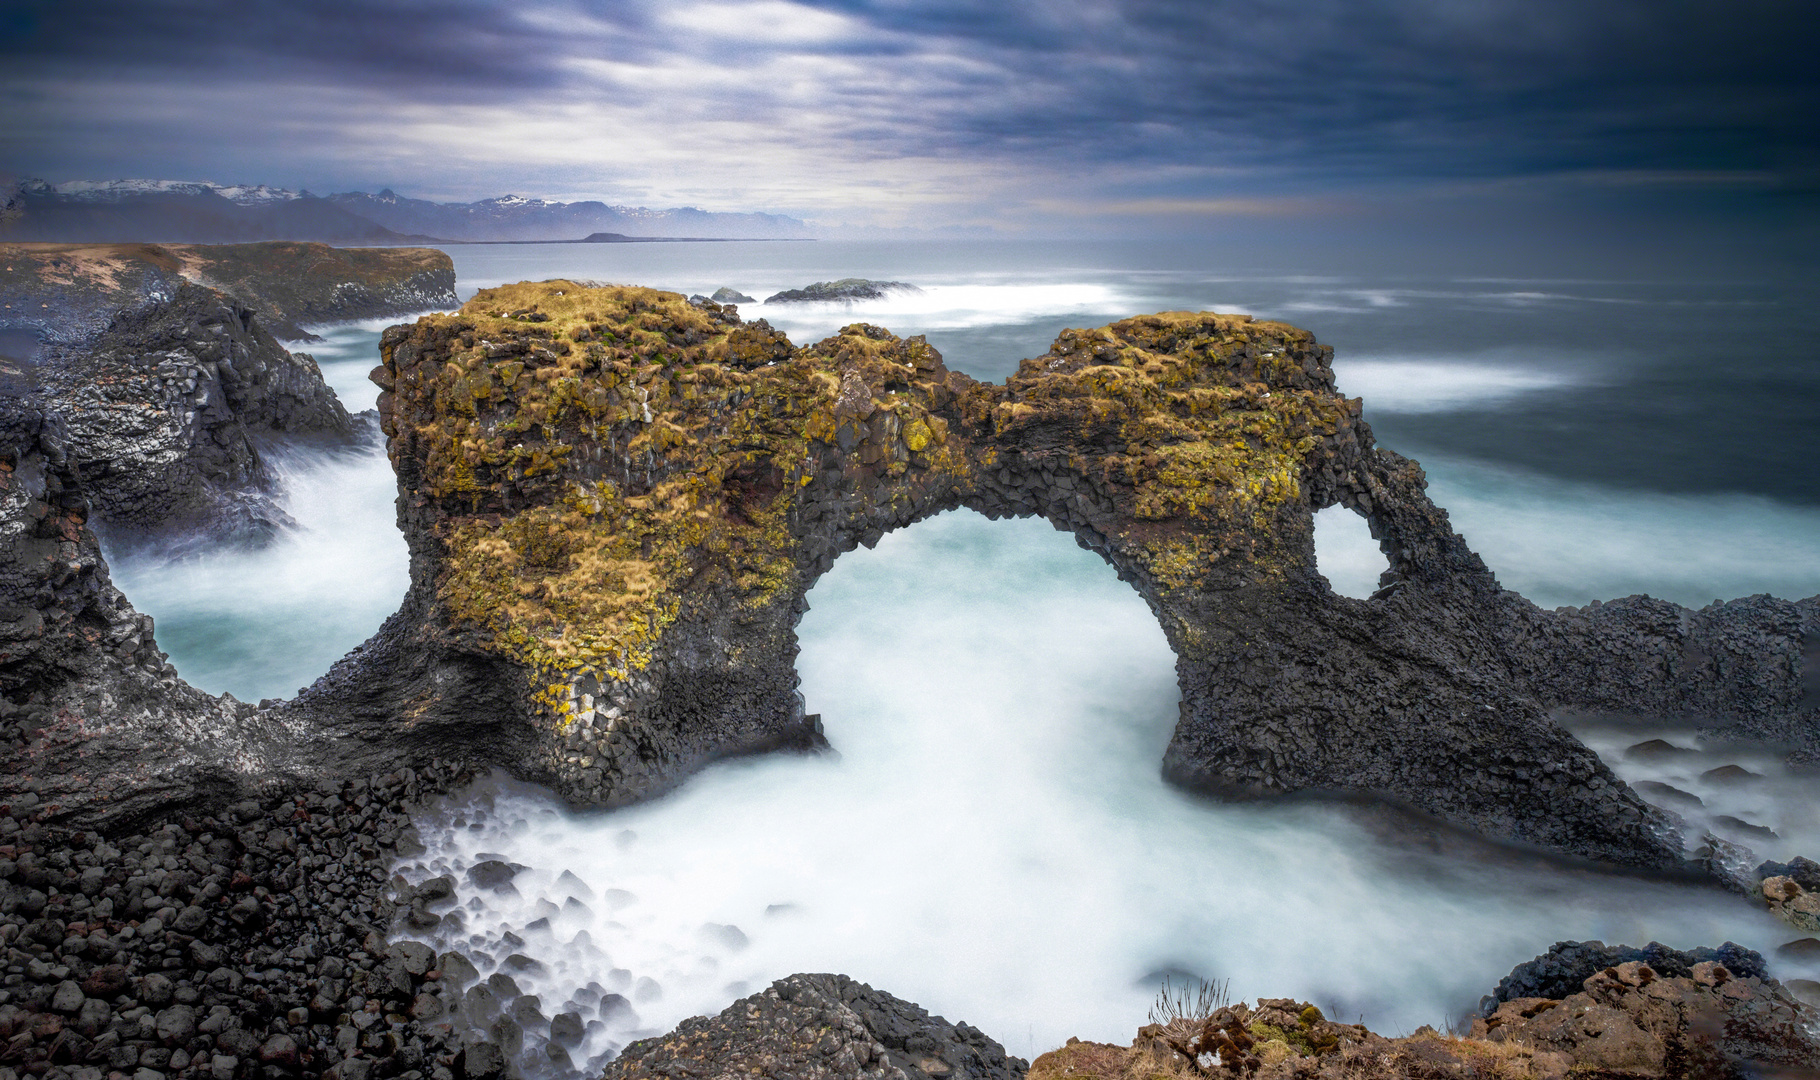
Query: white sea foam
x=939 y=307
x=263 y=623
x=994 y=840
x=1443 y=384
x=1746 y=794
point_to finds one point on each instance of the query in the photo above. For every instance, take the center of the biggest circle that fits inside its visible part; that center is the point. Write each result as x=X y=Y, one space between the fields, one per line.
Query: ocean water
x=263 y=624
x=994 y=842
x=992 y=839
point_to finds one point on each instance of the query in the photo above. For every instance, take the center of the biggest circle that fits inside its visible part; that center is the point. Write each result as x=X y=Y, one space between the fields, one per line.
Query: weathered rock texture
x=96 y=723
x=1623 y=1021
x=615 y=501
x=843 y=290
x=819 y=1027
x=167 y=411
x=167 y=379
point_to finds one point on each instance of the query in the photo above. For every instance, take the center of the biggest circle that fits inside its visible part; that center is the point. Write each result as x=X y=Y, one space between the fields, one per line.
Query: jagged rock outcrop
x=1564 y=968
x=167 y=411
x=819 y=1027
x=94 y=723
x=616 y=500
x=1627 y=1020
x=169 y=383
x=842 y=290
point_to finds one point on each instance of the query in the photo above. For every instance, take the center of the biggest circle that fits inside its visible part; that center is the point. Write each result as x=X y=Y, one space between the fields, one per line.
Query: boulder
x=818 y=1027
x=844 y=290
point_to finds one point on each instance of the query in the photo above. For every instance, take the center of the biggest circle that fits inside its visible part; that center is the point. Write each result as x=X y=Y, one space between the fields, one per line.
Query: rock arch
x=616 y=499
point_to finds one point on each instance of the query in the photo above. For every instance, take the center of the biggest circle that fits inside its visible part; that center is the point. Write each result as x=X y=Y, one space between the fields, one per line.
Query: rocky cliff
x=168 y=411
x=91 y=715
x=616 y=499
x=169 y=382
x=67 y=293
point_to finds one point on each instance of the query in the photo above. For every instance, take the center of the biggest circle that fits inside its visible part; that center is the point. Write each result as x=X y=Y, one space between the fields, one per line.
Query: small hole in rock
x=1345 y=552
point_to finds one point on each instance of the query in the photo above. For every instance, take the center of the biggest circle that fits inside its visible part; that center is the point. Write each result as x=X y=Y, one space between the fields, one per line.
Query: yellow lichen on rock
x=603 y=464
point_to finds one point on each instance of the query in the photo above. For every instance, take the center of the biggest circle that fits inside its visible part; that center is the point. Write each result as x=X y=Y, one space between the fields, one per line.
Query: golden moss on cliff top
x=651 y=453
x=605 y=454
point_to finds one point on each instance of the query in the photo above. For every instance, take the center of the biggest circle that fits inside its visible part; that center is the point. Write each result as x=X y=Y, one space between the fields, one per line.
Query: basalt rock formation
x=169 y=383
x=168 y=411
x=93 y=721
x=616 y=500
x=843 y=290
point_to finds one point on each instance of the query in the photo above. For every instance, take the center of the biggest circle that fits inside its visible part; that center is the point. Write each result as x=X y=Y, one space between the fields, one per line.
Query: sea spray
x=264 y=622
x=992 y=840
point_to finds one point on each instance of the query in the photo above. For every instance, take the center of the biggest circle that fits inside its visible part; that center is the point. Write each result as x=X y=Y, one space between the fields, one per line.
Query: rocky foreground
x=267 y=940
x=1623 y=1021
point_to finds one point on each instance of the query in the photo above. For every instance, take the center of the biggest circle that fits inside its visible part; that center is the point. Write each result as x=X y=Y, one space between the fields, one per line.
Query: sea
x=991 y=837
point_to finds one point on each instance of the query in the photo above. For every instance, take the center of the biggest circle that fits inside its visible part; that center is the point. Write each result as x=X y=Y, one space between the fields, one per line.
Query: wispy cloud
x=885 y=110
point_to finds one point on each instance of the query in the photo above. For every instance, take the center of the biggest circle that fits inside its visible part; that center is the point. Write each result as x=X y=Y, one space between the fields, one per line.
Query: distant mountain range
x=182 y=211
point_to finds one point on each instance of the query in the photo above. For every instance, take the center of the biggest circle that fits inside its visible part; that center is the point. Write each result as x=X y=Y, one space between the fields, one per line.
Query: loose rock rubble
x=249 y=944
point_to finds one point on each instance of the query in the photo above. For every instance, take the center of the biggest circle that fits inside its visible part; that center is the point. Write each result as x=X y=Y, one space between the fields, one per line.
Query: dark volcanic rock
x=844 y=289
x=94 y=721
x=724 y=295
x=1633 y=1018
x=171 y=389
x=167 y=408
x=1561 y=970
x=243 y=943
x=819 y=1027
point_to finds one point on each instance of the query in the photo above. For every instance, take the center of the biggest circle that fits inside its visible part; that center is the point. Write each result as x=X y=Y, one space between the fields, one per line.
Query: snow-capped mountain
x=180 y=211
x=516 y=217
x=196 y=211
x=118 y=190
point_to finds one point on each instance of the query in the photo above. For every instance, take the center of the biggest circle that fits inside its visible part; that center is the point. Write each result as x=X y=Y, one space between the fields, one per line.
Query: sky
x=1003 y=113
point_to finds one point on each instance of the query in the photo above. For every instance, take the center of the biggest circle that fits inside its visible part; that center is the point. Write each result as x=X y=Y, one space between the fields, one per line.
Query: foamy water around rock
x=993 y=841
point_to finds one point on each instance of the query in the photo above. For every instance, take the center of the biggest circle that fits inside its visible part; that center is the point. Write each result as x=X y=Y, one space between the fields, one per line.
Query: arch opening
x=1346 y=553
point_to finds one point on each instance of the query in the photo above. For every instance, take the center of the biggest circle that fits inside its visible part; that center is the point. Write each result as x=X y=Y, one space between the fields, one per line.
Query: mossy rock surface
x=616 y=499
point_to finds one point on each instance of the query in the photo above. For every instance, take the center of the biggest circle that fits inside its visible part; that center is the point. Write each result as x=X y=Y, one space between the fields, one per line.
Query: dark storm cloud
x=1434 y=87
x=1135 y=99
x=440 y=46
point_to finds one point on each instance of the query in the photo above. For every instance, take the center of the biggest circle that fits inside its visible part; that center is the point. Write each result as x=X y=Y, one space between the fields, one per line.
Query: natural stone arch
x=616 y=501
x=618 y=493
